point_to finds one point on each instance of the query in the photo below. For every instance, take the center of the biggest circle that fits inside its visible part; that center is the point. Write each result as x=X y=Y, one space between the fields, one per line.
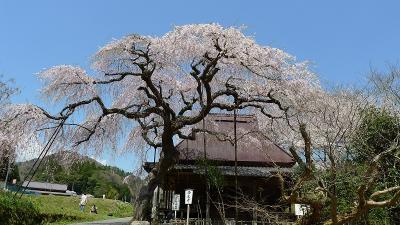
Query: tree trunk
x=143 y=202
x=314 y=217
x=168 y=159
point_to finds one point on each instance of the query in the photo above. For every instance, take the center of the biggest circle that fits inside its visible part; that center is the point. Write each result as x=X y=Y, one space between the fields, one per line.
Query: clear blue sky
x=342 y=38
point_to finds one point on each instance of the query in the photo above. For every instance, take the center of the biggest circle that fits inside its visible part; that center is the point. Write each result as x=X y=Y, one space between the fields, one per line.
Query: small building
x=207 y=165
x=46 y=188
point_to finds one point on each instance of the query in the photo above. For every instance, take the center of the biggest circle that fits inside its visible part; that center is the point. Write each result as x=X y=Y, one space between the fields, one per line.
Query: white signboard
x=188 y=196
x=300 y=209
x=176 y=202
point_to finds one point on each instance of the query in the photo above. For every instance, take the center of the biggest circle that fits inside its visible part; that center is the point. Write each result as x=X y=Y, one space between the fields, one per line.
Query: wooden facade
x=207 y=165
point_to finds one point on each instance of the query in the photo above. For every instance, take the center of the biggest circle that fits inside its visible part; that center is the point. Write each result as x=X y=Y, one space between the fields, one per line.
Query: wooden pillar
x=254 y=195
x=236 y=171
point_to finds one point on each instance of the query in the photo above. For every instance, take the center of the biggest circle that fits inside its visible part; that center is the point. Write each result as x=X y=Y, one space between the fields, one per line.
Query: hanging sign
x=301 y=209
x=188 y=196
x=176 y=202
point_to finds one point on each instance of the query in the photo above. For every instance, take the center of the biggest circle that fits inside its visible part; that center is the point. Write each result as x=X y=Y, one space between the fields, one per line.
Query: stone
x=140 y=223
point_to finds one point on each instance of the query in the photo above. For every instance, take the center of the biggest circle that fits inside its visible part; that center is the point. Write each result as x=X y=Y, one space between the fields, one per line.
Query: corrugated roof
x=254 y=149
x=46 y=186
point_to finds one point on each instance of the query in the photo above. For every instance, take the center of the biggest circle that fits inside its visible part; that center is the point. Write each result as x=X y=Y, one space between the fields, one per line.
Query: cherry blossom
x=148 y=91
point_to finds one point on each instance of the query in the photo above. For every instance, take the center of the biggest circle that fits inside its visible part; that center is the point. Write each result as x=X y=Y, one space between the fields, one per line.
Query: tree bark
x=156 y=177
x=314 y=217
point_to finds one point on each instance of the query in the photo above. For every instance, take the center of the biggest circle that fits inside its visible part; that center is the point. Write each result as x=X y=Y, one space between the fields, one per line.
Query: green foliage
x=14 y=172
x=308 y=189
x=214 y=176
x=349 y=178
x=18 y=212
x=378 y=130
x=86 y=176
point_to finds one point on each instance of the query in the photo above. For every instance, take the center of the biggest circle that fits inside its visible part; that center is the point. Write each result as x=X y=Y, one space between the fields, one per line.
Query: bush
x=18 y=212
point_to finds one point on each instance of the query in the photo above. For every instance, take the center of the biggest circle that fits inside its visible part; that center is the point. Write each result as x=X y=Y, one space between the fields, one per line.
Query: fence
x=227 y=222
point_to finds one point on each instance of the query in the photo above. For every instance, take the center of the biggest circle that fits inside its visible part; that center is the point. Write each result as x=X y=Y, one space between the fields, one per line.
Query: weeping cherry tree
x=149 y=91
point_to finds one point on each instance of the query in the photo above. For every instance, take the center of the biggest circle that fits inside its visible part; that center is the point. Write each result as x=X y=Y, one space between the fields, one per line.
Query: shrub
x=18 y=212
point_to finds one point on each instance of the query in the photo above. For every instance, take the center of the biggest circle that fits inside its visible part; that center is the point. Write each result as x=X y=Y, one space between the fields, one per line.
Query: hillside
x=65 y=209
x=57 y=210
x=83 y=175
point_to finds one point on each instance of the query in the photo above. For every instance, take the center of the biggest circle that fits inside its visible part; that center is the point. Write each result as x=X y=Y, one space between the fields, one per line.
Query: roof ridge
x=231 y=114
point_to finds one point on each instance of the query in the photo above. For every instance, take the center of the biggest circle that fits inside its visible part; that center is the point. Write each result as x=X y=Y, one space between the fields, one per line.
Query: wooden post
x=175 y=221
x=187 y=214
x=236 y=172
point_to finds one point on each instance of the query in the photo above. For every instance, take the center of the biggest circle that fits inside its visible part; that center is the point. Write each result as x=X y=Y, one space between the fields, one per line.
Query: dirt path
x=120 y=221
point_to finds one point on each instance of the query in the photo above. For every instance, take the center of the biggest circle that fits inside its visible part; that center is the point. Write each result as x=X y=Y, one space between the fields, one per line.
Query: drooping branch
x=143 y=82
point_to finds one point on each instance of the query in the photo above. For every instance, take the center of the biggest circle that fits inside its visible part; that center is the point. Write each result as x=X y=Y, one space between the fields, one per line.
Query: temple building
x=212 y=166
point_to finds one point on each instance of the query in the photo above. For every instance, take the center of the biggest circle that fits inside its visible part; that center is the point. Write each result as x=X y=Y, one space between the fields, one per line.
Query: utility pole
x=206 y=174
x=158 y=188
x=205 y=164
x=236 y=172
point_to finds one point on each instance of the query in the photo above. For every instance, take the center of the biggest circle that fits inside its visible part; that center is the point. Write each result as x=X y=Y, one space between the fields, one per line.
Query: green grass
x=65 y=210
x=14 y=211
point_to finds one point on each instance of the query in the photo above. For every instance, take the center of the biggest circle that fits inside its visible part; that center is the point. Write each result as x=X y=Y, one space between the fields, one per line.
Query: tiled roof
x=242 y=170
x=254 y=149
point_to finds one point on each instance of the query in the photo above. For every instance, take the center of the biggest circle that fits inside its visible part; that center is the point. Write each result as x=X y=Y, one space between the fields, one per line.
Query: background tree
x=318 y=132
x=8 y=167
x=378 y=130
x=82 y=175
x=7 y=149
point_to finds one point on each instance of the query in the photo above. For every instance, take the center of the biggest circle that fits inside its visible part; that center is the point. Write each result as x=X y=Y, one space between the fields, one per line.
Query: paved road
x=120 y=221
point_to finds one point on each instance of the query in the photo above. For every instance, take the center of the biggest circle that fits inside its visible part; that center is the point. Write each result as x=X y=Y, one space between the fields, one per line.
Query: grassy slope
x=68 y=208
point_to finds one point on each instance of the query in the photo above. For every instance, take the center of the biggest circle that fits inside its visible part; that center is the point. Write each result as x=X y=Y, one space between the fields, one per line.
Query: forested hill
x=84 y=175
